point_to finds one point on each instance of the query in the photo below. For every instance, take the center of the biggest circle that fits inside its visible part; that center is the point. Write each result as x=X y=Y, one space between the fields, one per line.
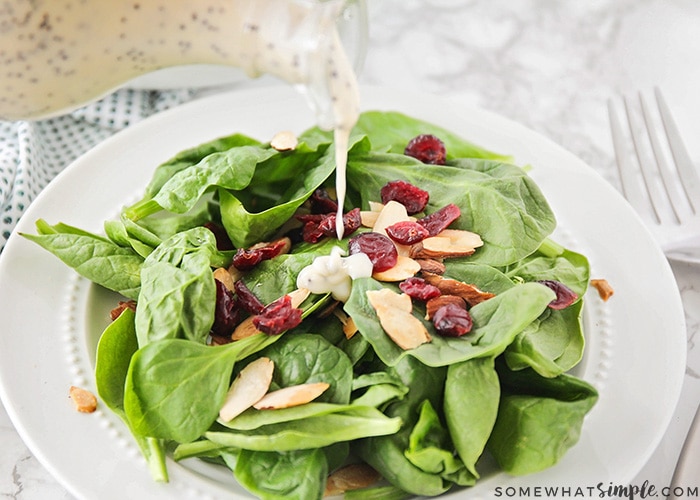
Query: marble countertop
x=550 y=65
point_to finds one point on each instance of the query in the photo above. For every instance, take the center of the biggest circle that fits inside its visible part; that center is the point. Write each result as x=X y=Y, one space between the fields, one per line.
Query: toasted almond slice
x=224 y=277
x=442 y=300
x=462 y=238
x=375 y=206
x=404 y=268
x=245 y=329
x=368 y=218
x=392 y=213
x=349 y=326
x=284 y=141
x=351 y=477
x=470 y=293
x=249 y=386
x=394 y=312
x=448 y=243
x=605 y=290
x=443 y=247
x=298 y=296
x=235 y=273
x=431 y=266
x=294 y=395
x=84 y=400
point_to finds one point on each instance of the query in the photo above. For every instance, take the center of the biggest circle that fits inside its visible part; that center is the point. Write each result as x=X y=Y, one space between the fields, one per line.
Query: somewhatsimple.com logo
x=600 y=490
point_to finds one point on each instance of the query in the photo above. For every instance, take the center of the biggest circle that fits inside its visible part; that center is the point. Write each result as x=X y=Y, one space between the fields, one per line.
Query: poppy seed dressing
x=60 y=54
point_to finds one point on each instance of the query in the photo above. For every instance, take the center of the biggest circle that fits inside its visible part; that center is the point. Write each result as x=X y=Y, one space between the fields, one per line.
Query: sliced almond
x=245 y=329
x=298 y=296
x=431 y=266
x=462 y=238
x=249 y=386
x=84 y=400
x=284 y=141
x=448 y=243
x=404 y=268
x=368 y=218
x=605 y=290
x=392 y=213
x=349 y=326
x=235 y=273
x=394 y=312
x=351 y=477
x=432 y=305
x=439 y=247
x=221 y=274
x=470 y=293
x=375 y=206
x=294 y=395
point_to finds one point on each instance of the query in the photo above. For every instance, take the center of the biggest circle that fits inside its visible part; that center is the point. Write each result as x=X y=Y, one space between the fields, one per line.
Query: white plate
x=635 y=355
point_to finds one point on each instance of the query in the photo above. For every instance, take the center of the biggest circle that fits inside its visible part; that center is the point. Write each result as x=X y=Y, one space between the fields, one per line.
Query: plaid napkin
x=33 y=153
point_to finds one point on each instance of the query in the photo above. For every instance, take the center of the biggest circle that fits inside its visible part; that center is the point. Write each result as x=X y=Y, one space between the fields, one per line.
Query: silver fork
x=657 y=175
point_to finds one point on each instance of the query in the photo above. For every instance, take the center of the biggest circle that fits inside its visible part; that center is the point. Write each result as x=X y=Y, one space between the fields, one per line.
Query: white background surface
x=551 y=65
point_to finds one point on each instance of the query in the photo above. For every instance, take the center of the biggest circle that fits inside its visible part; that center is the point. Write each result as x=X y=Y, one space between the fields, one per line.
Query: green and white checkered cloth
x=33 y=153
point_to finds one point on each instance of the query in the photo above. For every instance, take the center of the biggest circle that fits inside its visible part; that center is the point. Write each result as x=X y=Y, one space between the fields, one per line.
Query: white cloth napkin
x=33 y=153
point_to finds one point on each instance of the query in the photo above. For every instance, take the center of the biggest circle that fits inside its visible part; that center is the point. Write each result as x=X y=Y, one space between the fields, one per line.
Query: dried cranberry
x=407 y=232
x=565 y=295
x=322 y=203
x=427 y=148
x=379 y=248
x=278 y=316
x=317 y=226
x=440 y=219
x=247 y=299
x=223 y=242
x=419 y=289
x=226 y=314
x=351 y=221
x=452 y=321
x=247 y=258
x=413 y=198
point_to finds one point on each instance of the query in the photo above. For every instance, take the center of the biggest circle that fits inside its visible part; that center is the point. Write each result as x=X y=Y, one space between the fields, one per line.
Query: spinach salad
x=423 y=419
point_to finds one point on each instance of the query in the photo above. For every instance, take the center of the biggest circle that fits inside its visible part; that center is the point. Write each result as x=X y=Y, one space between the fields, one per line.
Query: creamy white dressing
x=59 y=55
x=334 y=273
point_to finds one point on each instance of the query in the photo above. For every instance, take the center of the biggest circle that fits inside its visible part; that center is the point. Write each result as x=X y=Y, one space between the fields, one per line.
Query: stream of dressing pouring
x=58 y=56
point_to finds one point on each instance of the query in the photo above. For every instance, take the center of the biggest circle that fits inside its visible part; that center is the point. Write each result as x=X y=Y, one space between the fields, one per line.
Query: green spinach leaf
x=304 y=358
x=191 y=156
x=178 y=293
x=472 y=394
x=500 y=202
x=386 y=453
x=431 y=450
x=496 y=323
x=114 y=351
x=291 y=475
x=93 y=257
x=175 y=387
x=391 y=131
x=539 y=419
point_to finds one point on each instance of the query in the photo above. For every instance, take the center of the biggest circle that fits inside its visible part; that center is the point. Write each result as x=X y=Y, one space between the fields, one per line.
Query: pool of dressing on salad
x=57 y=56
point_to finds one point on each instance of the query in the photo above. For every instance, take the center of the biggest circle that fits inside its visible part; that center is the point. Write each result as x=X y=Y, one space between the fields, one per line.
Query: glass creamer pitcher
x=58 y=55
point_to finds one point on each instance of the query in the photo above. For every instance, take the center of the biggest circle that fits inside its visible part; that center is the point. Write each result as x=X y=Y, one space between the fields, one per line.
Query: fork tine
x=685 y=166
x=632 y=189
x=668 y=179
